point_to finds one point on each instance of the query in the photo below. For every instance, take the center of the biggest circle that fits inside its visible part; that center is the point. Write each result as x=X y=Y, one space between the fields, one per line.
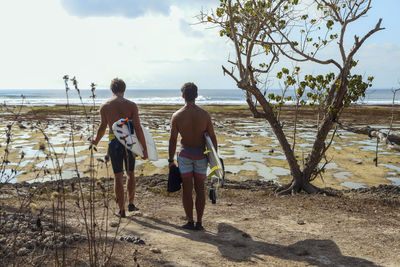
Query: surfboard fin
x=213 y=196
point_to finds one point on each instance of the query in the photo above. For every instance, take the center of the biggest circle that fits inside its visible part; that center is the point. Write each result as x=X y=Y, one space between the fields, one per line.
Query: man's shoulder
x=203 y=112
x=179 y=111
x=118 y=102
x=129 y=101
x=104 y=105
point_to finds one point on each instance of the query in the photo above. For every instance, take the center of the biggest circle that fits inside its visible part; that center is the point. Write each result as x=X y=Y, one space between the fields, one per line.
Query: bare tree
x=264 y=31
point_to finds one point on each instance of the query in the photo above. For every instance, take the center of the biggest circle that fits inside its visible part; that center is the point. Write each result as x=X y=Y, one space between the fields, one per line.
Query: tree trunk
x=392 y=141
x=331 y=113
x=299 y=181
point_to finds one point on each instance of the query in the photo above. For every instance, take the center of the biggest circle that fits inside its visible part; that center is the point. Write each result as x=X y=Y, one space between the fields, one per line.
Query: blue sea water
x=159 y=97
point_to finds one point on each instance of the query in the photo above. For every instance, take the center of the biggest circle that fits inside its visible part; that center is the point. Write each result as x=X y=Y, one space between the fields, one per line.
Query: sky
x=151 y=44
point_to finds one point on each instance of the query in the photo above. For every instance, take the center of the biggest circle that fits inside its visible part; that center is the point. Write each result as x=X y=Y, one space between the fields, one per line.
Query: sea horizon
x=51 y=97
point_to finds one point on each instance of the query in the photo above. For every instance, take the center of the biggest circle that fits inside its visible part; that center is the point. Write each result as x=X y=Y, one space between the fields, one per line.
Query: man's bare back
x=191 y=122
x=117 y=108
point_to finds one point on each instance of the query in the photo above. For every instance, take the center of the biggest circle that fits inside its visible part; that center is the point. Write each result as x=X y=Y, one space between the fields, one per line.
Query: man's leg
x=186 y=169
x=187 y=199
x=131 y=187
x=199 y=185
x=200 y=175
x=115 y=150
x=119 y=190
x=131 y=180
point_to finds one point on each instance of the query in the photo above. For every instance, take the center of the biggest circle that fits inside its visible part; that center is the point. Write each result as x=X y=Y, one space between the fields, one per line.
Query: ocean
x=159 y=97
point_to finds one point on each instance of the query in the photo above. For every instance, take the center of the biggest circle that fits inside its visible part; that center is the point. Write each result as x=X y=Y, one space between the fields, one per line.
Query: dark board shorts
x=118 y=155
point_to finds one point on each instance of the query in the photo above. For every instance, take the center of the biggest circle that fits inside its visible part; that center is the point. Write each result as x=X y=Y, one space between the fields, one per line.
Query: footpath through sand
x=253 y=226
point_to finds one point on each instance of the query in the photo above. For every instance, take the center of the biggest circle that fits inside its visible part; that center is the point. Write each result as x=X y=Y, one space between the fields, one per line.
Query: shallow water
x=342 y=175
x=267 y=173
x=161 y=163
x=392 y=167
x=394 y=180
x=65 y=174
x=353 y=185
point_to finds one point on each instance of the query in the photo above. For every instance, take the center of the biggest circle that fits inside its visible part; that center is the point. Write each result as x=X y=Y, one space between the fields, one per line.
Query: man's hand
x=145 y=155
x=93 y=146
x=171 y=164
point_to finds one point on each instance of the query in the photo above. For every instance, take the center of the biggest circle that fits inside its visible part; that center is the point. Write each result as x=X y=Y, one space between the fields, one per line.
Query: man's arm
x=172 y=141
x=210 y=130
x=102 y=128
x=139 y=131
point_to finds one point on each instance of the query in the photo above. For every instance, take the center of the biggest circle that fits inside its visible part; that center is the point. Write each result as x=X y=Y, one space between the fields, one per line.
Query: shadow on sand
x=238 y=246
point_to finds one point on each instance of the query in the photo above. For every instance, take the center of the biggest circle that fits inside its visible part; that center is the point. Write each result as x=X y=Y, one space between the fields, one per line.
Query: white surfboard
x=130 y=141
x=213 y=158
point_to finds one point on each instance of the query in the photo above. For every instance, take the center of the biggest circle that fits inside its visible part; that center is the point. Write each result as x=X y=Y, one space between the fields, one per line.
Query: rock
x=49 y=233
x=76 y=236
x=30 y=245
x=114 y=224
x=48 y=239
x=23 y=252
x=155 y=250
x=14 y=228
x=129 y=239
x=300 y=222
x=69 y=240
x=62 y=239
x=139 y=241
x=49 y=244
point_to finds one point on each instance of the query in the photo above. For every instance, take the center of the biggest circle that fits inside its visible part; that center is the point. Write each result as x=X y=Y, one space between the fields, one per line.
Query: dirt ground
x=249 y=225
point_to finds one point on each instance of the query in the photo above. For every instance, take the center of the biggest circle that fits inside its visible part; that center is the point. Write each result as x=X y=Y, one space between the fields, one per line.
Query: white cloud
x=120 y=8
x=126 y=8
x=43 y=42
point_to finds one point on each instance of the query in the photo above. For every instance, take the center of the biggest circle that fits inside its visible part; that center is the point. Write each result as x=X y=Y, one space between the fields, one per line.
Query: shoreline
x=244 y=105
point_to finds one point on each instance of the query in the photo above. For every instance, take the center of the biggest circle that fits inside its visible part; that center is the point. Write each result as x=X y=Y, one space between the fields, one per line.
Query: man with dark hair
x=112 y=110
x=191 y=122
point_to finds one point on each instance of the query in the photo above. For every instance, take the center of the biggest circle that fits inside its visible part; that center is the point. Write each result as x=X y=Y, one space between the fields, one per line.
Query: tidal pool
x=392 y=167
x=342 y=175
x=268 y=173
x=394 y=180
x=353 y=185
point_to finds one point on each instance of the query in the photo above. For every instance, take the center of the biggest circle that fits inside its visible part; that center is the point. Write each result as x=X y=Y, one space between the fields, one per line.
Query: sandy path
x=258 y=229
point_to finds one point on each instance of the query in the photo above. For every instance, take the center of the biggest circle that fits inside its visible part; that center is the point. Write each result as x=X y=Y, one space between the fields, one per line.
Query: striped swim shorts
x=192 y=162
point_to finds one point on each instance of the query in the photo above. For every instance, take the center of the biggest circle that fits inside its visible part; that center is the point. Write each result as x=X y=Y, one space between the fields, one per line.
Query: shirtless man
x=112 y=110
x=191 y=122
